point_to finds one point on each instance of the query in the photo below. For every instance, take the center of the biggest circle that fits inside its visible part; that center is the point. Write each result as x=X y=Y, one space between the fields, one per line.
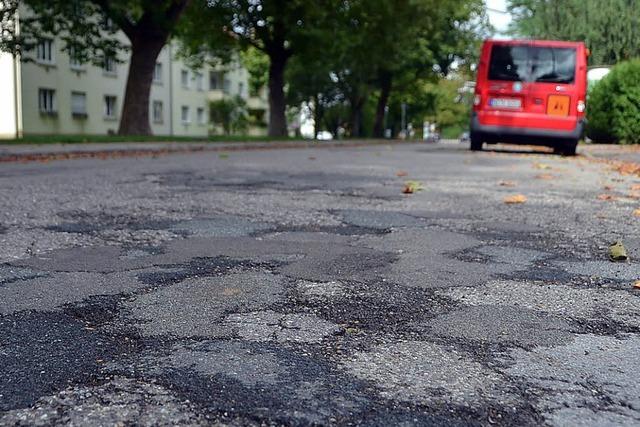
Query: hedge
x=613 y=111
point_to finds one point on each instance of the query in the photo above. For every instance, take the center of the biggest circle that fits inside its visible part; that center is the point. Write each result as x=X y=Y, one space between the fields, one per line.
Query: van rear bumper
x=513 y=134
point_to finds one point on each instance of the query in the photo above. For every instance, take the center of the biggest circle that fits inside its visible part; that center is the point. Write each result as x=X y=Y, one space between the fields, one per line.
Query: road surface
x=302 y=286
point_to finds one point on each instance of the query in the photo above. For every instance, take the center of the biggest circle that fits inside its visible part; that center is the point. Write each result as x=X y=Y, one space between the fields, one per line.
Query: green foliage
x=613 y=112
x=231 y=114
x=257 y=64
x=610 y=28
x=81 y=25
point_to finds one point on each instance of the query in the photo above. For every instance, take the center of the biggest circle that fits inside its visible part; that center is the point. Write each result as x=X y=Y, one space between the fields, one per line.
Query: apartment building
x=54 y=94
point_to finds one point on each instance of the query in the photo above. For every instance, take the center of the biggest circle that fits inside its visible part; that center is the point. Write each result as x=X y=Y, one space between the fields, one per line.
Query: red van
x=530 y=92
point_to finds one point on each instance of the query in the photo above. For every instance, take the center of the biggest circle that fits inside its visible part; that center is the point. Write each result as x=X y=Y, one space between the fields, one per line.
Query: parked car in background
x=531 y=92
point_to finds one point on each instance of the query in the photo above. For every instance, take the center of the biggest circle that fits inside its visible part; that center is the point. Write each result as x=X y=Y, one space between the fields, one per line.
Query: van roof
x=549 y=43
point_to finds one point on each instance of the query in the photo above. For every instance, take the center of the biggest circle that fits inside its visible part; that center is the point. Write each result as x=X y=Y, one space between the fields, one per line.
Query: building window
x=79 y=104
x=184 y=78
x=214 y=80
x=199 y=81
x=110 y=107
x=226 y=86
x=158 y=115
x=185 y=115
x=201 y=117
x=109 y=65
x=157 y=73
x=44 y=52
x=47 y=101
x=75 y=61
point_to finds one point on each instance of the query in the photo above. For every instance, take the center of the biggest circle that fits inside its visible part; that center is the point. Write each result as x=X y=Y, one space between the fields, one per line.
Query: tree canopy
x=610 y=28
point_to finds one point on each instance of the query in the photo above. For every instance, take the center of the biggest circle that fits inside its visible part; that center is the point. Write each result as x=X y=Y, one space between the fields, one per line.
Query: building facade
x=55 y=95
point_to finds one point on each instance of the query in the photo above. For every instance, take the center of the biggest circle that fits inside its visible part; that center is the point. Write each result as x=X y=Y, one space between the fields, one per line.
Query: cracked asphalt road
x=301 y=287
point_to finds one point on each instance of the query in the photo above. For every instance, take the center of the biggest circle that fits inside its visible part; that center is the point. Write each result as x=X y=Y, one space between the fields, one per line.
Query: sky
x=499 y=20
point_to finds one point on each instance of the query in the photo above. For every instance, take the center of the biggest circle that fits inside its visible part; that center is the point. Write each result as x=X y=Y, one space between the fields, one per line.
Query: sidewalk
x=45 y=152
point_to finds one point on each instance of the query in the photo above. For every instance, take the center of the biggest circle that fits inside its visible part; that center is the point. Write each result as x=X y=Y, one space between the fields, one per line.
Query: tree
x=279 y=28
x=88 y=31
x=378 y=46
x=610 y=28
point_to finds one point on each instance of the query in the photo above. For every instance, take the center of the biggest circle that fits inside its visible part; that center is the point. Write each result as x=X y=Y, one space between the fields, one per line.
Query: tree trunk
x=357 y=104
x=383 y=100
x=277 y=102
x=135 y=109
x=318 y=112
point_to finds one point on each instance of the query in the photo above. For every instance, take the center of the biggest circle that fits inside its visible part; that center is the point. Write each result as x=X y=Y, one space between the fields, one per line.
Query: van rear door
x=507 y=77
x=553 y=77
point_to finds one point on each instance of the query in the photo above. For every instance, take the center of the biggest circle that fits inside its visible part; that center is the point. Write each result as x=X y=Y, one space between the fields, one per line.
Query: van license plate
x=505 y=103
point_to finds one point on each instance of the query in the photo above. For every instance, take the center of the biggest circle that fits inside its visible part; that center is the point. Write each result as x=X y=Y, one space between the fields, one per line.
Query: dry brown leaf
x=515 y=199
x=607 y=188
x=637 y=213
x=635 y=187
x=545 y=176
x=633 y=195
x=637 y=284
x=507 y=184
x=402 y=173
x=606 y=197
x=628 y=168
x=542 y=166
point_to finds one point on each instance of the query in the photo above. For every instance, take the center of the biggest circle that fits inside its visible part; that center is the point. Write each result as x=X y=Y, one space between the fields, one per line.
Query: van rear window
x=532 y=64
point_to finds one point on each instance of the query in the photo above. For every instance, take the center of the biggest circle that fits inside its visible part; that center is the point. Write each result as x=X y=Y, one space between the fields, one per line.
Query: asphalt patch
x=41 y=353
x=202 y=267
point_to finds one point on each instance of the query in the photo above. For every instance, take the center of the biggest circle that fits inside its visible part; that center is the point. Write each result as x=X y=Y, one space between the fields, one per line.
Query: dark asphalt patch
x=90 y=222
x=378 y=220
x=350 y=264
x=375 y=307
x=341 y=230
x=203 y=267
x=302 y=391
x=41 y=353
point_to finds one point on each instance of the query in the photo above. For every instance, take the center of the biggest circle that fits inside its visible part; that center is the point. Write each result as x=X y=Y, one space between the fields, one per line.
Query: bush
x=614 y=106
x=231 y=114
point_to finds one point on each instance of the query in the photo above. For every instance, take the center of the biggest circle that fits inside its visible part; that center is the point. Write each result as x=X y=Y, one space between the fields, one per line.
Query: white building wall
x=61 y=76
x=8 y=117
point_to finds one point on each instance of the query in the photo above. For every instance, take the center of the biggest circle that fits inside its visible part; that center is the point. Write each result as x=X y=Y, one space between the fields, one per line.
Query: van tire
x=475 y=141
x=567 y=148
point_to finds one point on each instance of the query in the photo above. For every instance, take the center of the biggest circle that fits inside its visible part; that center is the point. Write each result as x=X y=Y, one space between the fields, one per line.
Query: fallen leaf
x=634 y=195
x=312 y=158
x=515 y=199
x=411 y=187
x=607 y=188
x=637 y=213
x=402 y=173
x=617 y=252
x=545 y=176
x=542 y=166
x=637 y=284
x=635 y=187
x=628 y=168
x=606 y=197
x=507 y=184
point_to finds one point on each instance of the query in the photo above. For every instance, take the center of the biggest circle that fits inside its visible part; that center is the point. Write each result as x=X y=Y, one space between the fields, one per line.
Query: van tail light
x=477 y=100
x=581 y=106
